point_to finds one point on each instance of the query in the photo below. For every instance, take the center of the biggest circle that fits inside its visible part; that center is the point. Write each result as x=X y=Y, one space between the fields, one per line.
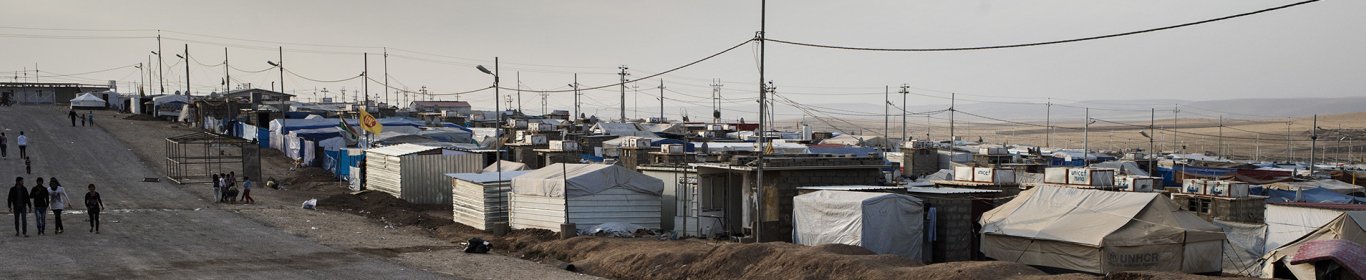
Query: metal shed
x=417 y=173
x=479 y=200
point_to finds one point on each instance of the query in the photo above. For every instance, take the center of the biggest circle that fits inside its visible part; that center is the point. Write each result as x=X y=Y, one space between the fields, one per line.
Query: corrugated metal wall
x=424 y=178
x=382 y=174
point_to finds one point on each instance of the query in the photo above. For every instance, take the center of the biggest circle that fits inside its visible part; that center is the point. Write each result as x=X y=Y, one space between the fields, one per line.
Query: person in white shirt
x=23 y=145
x=59 y=202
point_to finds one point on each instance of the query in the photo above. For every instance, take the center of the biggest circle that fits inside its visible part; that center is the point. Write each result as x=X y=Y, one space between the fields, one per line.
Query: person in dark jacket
x=72 y=113
x=93 y=205
x=18 y=204
x=40 y=198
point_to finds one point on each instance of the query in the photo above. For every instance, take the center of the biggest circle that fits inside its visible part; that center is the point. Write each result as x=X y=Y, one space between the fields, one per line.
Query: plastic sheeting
x=884 y=223
x=584 y=180
x=1350 y=226
x=507 y=166
x=1246 y=244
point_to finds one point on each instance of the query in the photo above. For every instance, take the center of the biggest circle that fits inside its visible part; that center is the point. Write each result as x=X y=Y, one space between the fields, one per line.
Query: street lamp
x=500 y=228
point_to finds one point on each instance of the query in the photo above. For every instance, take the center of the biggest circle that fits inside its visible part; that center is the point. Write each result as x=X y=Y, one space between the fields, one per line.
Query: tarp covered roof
x=1095 y=218
x=584 y=180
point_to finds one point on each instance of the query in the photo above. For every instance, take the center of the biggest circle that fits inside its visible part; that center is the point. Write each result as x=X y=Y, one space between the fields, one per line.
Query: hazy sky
x=1313 y=50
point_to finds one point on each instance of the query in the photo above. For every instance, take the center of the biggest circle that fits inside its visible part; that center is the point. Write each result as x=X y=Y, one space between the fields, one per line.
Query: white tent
x=1101 y=232
x=1350 y=226
x=87 y=101
x=884 y=223
x=594 y=194
x=856 y=140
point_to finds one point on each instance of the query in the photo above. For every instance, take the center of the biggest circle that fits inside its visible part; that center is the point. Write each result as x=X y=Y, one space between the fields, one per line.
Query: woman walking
x=217 y=189
x=59 y=203
x=246 y=191
x=93 y=205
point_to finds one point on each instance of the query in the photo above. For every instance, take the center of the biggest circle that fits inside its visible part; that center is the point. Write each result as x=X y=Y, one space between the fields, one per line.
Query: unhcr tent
x=87 y=101
x=1101 y=232
x=595 y=194
x=1349 y=226
x=884 y=223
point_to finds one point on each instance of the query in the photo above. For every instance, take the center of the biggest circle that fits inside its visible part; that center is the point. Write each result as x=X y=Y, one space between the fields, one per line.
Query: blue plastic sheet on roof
x=461 y=127
x=687 y=147
x=1319 y=195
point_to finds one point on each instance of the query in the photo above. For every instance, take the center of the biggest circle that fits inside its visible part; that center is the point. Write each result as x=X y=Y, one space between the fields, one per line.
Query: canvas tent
x=1349 y=226
x=884 y=223
x=856 y=140
x=595 y=194
x=87 y=101
x=1101 y=232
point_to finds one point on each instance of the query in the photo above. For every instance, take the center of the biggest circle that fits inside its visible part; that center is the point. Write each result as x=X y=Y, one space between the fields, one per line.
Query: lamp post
x=499 y=228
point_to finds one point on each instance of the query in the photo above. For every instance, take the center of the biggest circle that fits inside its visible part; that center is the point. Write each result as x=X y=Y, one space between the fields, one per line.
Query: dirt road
x=150 y=230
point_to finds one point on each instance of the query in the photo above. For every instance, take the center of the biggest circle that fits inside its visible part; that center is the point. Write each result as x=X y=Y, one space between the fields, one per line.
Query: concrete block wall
x=781 y=187
x=919 y=162
x=631 y=158
x=1243 y=210
x=954 y=238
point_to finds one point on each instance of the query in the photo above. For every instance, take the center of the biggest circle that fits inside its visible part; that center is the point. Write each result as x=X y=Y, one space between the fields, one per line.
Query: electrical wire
x=747 y=41
x=322 y=81
x=1043 y=43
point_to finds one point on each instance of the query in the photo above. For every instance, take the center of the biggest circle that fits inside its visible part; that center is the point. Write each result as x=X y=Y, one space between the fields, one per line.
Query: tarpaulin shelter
x=586 y=195
x=87 y=101
x=1349 y=226
x=884 y=223
x=1101 y=232
x=1327 y=184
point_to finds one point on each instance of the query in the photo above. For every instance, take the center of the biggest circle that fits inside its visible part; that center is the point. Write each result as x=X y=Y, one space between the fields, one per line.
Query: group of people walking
x=22 y=140
x=87 y=117
x=225 y=188
x=39 y=199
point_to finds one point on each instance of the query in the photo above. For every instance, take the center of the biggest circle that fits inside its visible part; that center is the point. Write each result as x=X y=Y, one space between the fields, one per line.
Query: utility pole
x=1221 y=138
x=716 y=101
x=281 y=65
x=1048 y=124
x=623 y=91
x=763 y=97
x=886 y=115
x=386 y=77
x=1176 y=114
x=365 y=80
x=161 y=74
x=1290 y=152
x=953 y=135
x=904 y=130
x=1152 y=133
x=544 y=106
x=227 y=75
x=519 y=92
x=576 y=101
x=1086 y=139
x=1314 y=146
x=661 y=100
x=187 y=69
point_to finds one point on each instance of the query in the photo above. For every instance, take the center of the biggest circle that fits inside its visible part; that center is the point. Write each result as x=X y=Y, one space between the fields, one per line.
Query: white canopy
x=884 y=223
x=1100 y=232
x=87 y=100
x=584 y=179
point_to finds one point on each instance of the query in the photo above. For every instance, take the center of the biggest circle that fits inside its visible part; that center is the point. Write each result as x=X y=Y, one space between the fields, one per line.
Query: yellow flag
x=369 y=123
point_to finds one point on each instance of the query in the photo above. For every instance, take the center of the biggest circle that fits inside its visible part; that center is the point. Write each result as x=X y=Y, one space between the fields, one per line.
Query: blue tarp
x=1319 y=195
x=461 y=127
x=687 y=147
x=263 y=137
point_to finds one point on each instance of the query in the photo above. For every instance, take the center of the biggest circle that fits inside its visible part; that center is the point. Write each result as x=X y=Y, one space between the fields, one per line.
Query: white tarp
x=1100 y=232
x=87 y=100
x=884 y=223
x=856 y=140
x=1329 y=184
x=1246 y=244
x=583 y=180
x=1284 y=223
x=507 y=166
x=1125 y=167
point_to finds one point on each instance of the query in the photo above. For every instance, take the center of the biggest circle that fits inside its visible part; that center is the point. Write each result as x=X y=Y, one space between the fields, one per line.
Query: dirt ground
x=425 y=236
x=395 y=238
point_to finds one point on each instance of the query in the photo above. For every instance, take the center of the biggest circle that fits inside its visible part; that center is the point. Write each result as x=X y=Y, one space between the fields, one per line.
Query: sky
x=1312 y=50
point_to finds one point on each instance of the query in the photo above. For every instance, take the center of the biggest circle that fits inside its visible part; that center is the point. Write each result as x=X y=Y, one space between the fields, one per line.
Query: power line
x=1044 y=42
x=747 y=41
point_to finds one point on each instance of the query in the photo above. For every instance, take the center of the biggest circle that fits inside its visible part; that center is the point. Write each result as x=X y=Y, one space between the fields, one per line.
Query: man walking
x=4 y=145
x=40 y=198
x=18 y=204
x=23 y=145
x=93 y=205
x=72 y=114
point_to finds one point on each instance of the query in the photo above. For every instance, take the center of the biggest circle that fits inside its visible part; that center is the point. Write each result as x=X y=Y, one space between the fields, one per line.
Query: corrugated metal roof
x=850 y=188
x=402 y=149
x=948 y=190
x=487 y=177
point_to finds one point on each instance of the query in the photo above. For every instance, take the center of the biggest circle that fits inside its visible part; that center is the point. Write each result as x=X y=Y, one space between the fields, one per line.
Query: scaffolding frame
x=195 y=157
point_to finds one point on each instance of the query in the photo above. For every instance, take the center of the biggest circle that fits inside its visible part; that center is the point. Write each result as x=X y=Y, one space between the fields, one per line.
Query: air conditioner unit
x=1135 y=183
x=516 y=124
x=636 y=143
x=993 y=175
x=1226 y=188
x=563 y=145
x=534 y=139
x=1091 y=177
x=1194 y=186
x=672 y=149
